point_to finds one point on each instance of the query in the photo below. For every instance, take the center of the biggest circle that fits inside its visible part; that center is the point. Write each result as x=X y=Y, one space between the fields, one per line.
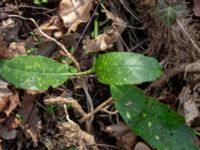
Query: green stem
x=96 y=25
x=90 y=71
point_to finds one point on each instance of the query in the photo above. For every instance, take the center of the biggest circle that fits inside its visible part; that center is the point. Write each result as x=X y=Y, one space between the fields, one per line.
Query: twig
x=129 y=10
x=62 y=100
x=192 y=67
x=35 y=7
x=90 y=106
x=87 y=25
x=87 y=116
x=109 y=112
x=105 y=145
x=187 y=34
x=67 y=53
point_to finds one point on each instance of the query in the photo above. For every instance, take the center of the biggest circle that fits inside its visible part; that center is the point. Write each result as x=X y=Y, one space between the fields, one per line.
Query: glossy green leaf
x=168 y=13
x=161 y=127
x=35 y=72
x=126 y=68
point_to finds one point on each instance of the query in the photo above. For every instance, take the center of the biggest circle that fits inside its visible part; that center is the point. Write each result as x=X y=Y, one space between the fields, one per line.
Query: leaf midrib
x=37 y=73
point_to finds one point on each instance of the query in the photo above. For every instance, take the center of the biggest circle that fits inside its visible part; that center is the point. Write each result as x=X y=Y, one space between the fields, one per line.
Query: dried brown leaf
x=3 y=103
x=17 y=49
x=187 y=106
x=106 y=40
x=74 y=12
x=9 y=51
x=30 y=119
x=14 y=102
x=8 y=131
x=8 y=100
x=12 y=122
x=54 y=24
x=3 y=48
x=74 y=136
x=123 y=134
x=141 y=146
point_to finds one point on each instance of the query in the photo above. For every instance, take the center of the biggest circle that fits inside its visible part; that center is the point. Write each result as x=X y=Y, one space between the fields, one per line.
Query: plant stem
x=96 y=25
x=90 y=71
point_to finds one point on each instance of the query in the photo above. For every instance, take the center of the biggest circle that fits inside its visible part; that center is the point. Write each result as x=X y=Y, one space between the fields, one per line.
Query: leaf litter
x=66 y=21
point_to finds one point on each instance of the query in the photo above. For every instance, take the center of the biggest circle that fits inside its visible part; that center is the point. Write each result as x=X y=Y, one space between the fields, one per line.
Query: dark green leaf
x=161 y=127
x=126 y=68
x=168 y=13
x=34 y=72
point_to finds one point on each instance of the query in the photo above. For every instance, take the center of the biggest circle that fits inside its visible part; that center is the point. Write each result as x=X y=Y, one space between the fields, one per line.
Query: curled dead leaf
x=54 y=24
x=74 y=12
x=74 y=136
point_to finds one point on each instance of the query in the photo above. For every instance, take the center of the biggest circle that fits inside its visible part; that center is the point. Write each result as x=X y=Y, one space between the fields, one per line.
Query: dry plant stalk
x=62 y=100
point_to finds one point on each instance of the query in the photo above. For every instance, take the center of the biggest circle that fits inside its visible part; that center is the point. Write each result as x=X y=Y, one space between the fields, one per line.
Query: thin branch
x=61 y=100
x=63 y=48
x=188 y=35
x=192 y=67
x=87 y=116
x=87 y=25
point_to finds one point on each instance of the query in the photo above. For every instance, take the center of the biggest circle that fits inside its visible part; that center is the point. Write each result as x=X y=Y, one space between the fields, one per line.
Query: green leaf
x=126 y=68
x=35 y=72
x=168 y=14
x=37 y=2
x=161 y=127
x=44 y=1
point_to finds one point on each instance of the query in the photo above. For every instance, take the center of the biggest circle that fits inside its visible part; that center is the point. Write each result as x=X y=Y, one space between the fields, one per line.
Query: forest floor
x=40 y=120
